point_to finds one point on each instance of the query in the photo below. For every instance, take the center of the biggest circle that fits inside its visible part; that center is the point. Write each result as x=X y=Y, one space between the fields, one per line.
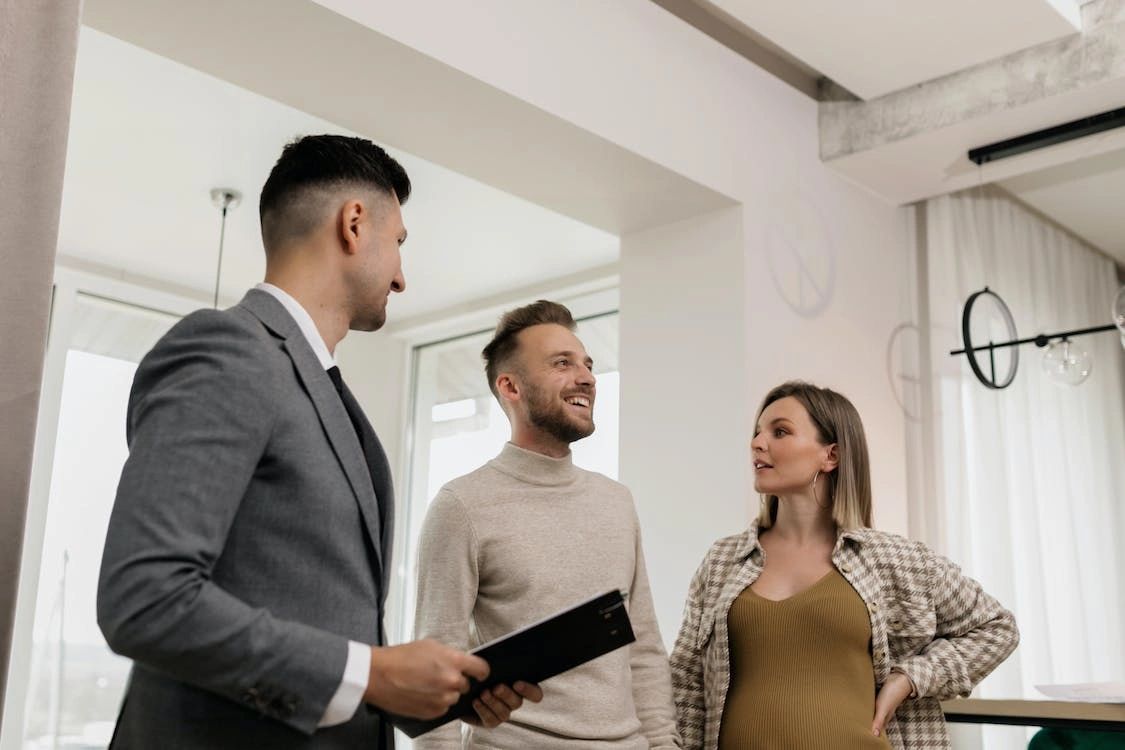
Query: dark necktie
x=355 y=415
x=371 y=454
x=350 y=404
x=351 y=407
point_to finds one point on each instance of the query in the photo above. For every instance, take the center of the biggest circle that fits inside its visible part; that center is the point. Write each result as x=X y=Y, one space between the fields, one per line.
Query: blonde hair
x=836 y=421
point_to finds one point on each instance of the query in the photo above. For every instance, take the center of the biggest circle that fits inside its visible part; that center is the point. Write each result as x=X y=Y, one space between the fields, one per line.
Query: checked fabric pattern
x=928 y=621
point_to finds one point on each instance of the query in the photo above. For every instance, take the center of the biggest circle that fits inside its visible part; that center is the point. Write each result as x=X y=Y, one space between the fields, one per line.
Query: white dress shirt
x=353 y=683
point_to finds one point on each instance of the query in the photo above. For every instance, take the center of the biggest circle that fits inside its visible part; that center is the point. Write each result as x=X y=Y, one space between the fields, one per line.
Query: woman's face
x=786 y=450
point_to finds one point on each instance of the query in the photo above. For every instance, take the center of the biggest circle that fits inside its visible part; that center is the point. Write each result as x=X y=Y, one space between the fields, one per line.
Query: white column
x=684 y=427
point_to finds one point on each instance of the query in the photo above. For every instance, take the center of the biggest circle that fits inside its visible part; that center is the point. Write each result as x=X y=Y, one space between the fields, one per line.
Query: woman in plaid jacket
x=813 y=630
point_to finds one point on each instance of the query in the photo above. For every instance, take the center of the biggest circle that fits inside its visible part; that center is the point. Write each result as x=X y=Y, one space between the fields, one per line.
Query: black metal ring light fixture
x=1041 y=340
x=970 y=351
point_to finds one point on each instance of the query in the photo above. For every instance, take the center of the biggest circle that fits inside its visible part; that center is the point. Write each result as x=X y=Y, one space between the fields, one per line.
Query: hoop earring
x=815 y=477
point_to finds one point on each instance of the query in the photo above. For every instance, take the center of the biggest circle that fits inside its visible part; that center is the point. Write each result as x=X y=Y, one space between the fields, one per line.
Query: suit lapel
x=333 y=417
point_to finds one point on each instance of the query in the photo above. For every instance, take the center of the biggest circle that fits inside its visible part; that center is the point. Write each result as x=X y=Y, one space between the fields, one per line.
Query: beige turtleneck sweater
x=517 y=540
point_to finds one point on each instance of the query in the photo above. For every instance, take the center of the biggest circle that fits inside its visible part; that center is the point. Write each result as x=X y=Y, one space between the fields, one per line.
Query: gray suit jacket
x=249 y=541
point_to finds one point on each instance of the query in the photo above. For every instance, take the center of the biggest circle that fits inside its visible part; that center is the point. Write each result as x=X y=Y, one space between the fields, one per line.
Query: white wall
x=640 y=78
x=809 y=228
x=375 y=368
x=683 y=394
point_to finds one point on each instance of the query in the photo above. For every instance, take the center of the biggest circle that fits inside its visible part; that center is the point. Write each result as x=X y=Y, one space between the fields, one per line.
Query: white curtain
x=38 y=46
x=1029 y=482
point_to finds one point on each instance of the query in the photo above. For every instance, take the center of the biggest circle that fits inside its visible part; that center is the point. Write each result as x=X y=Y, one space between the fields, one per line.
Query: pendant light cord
x=223 y=199
x=219 y=265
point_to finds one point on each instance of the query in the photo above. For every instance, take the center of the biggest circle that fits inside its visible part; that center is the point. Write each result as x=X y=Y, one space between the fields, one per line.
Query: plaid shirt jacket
x=928 y=621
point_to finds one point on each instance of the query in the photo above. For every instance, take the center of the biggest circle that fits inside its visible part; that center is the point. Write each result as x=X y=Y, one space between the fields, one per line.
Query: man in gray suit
x=249 y=550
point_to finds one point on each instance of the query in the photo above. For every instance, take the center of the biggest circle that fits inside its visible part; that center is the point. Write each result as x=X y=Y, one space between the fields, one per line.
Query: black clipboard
x=540 y=651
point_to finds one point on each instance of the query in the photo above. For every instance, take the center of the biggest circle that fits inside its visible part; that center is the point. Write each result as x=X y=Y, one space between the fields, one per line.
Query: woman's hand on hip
x=895 y=690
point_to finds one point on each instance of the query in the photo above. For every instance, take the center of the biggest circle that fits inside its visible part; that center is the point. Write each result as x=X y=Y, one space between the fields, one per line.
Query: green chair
x=1076 y=739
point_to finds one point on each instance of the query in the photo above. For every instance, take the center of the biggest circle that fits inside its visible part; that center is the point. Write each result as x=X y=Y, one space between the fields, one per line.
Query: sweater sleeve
x=648 y=661
x=448 y=575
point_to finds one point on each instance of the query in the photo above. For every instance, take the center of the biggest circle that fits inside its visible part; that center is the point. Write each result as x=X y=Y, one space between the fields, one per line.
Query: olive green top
x=801 y=673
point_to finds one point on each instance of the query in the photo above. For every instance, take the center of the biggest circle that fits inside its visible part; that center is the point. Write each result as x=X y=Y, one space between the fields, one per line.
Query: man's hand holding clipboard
x=538 y=652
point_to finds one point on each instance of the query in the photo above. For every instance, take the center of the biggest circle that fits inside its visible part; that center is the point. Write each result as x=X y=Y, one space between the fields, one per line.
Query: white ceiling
x=874 y=47
x=1085 y=196
x=150 y=137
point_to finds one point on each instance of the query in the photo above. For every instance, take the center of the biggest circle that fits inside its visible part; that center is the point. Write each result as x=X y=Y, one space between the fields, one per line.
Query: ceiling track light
x=1063 y=362
x=1068 y=131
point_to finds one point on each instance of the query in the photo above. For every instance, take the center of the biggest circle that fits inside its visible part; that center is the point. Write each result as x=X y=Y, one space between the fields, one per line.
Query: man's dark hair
x=504 y=342
x=289 y=206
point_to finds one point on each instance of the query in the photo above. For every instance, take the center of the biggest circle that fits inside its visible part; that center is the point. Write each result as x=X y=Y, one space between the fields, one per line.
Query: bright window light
x=1071 y=10
x=451 y=410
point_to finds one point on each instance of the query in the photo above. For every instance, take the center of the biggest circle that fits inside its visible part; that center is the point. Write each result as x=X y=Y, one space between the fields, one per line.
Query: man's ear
x=350 y=222
x=507 y=388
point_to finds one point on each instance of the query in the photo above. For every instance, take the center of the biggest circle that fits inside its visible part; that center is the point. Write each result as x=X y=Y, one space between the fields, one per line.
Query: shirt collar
x=750 y=541
x=304 y=322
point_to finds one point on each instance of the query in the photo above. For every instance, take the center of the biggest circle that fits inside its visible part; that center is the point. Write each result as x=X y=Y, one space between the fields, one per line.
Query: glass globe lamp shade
x=1067 y=364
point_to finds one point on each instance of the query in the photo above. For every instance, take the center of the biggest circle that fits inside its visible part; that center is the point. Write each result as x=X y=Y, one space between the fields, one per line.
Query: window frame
x=70 y=283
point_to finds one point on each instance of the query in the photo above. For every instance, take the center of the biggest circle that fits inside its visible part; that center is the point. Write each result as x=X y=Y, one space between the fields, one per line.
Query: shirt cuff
x=353 y=685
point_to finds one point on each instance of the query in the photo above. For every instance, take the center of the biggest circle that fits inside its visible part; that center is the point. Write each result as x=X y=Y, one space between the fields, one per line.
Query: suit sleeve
x=448 y=580
x=199 y=422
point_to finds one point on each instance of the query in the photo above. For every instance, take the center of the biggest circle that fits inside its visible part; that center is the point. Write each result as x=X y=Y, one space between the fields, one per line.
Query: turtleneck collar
x=535 y=468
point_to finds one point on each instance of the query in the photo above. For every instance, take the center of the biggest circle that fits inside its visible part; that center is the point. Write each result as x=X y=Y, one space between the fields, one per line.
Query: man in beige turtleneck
x=529 y=534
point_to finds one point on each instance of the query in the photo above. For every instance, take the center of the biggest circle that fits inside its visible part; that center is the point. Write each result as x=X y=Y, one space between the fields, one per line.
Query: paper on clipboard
x=1086 y=692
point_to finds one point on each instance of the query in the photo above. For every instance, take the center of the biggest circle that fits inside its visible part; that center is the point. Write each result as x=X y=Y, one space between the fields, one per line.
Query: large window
x=64 y=684
x=457 y=425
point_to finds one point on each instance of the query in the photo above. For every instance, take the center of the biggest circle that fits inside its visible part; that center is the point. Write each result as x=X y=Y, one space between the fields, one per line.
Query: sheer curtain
x=1029 y=482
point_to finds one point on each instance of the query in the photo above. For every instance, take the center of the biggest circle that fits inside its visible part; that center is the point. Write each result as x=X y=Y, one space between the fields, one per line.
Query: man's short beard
x=370 y=322
x=553 y=419
x=369 y=319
